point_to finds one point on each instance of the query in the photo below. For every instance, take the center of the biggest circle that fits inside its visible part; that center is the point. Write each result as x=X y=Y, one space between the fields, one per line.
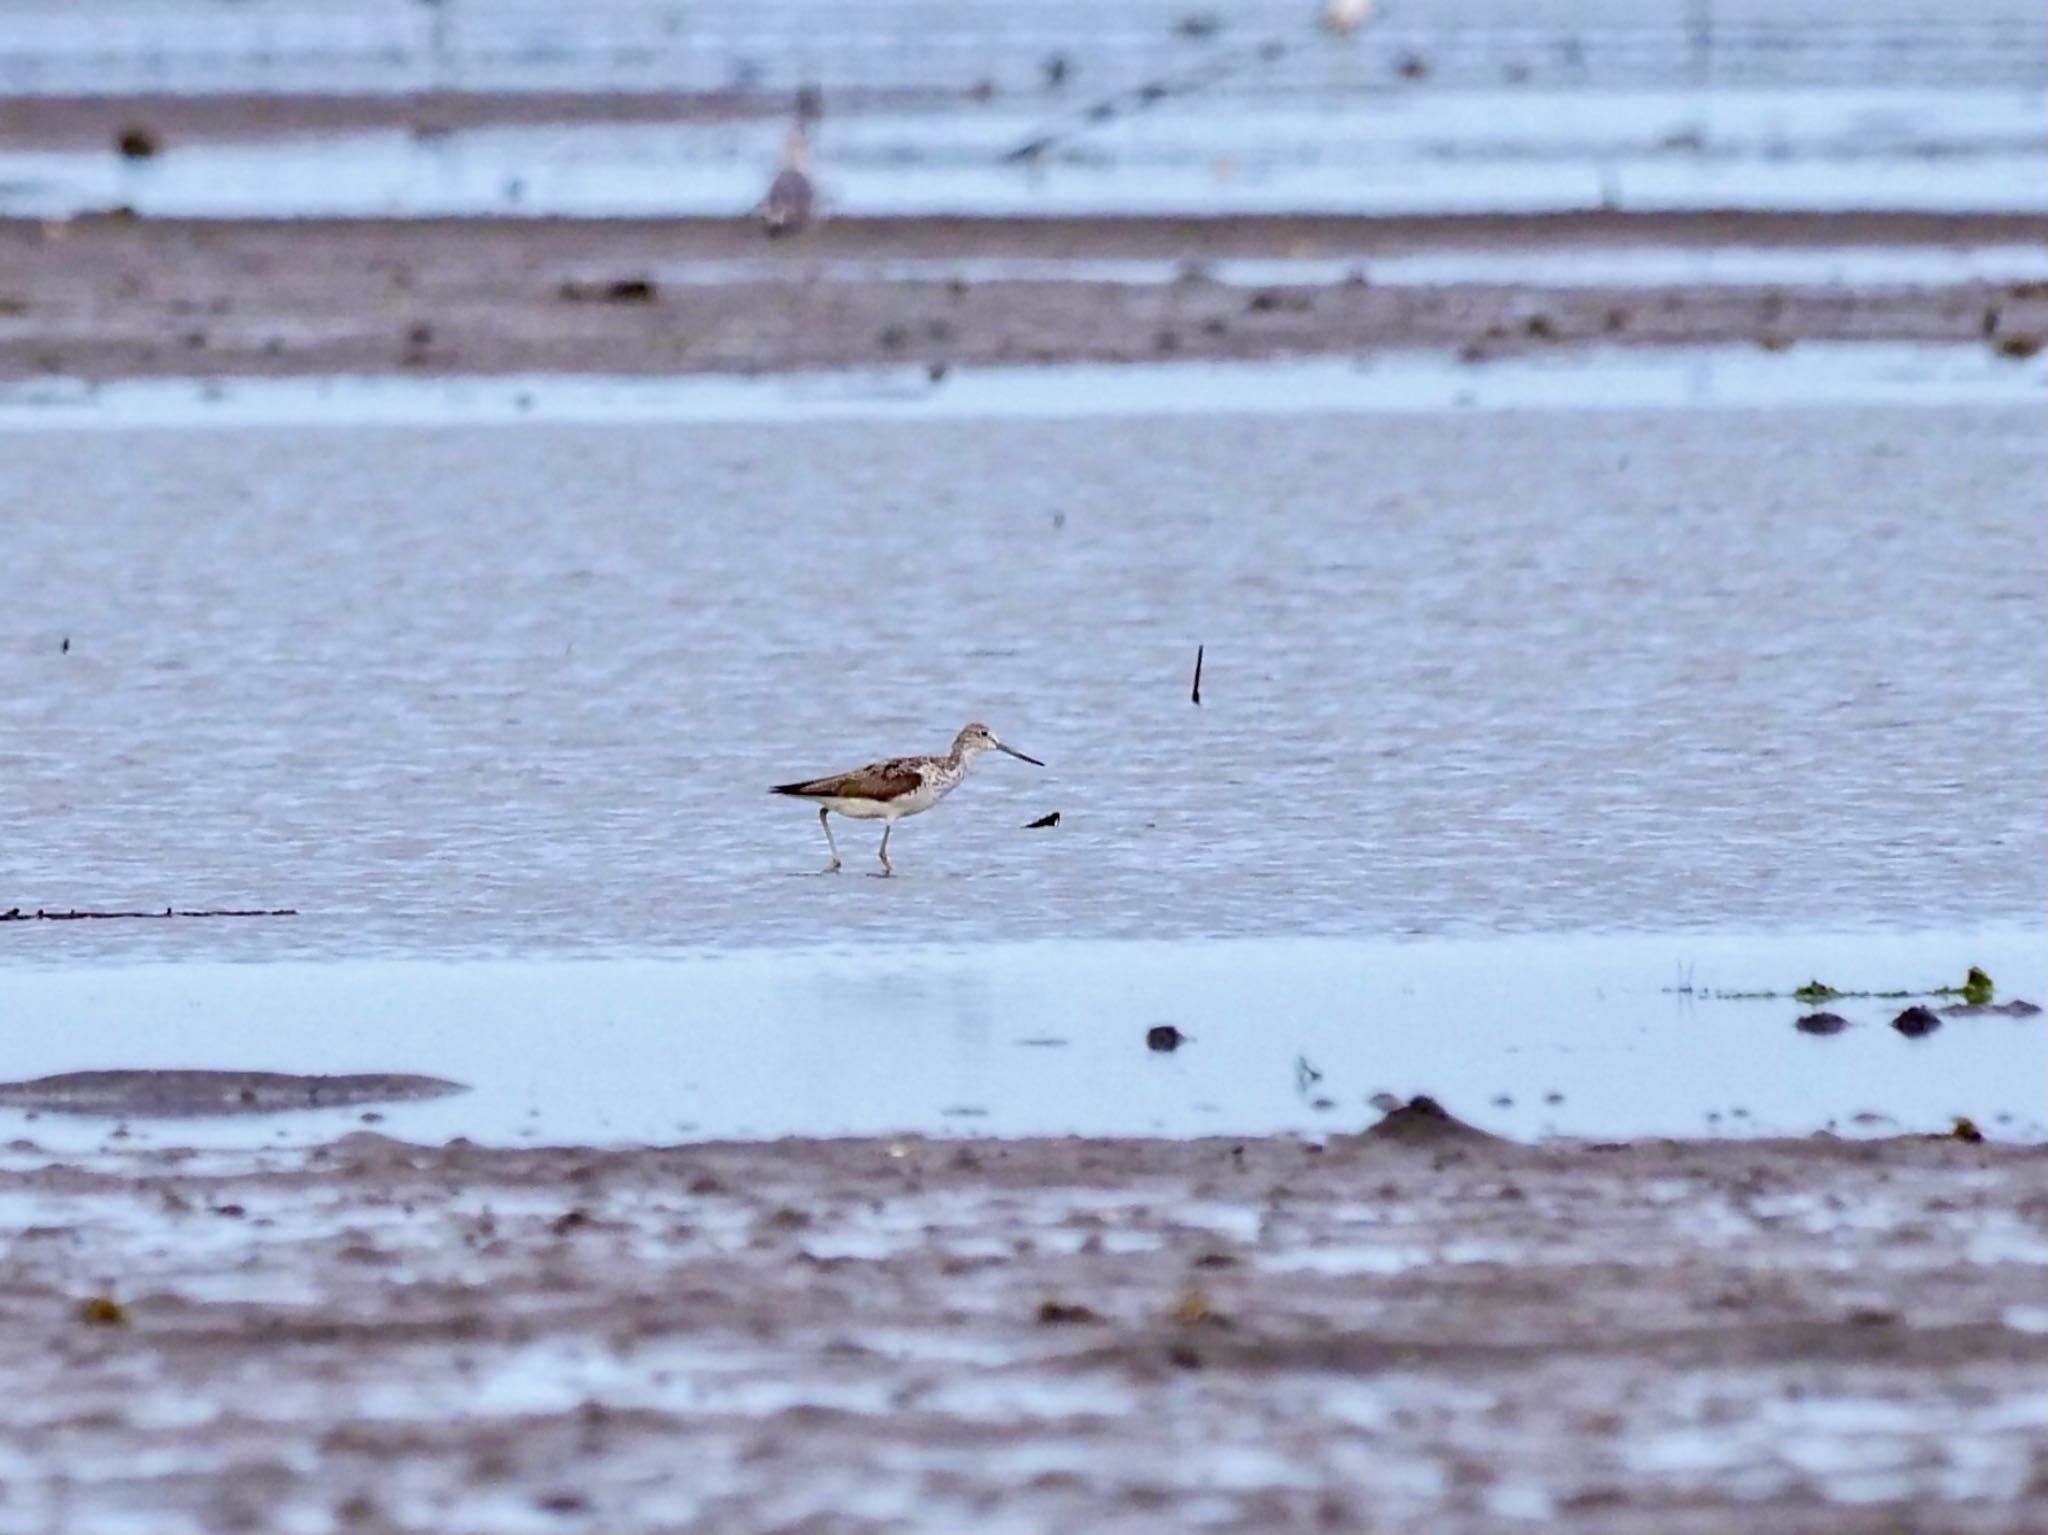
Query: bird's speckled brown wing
x=876 y=781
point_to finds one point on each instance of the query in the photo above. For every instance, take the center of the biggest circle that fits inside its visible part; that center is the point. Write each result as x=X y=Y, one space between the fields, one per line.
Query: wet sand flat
x=108 y=297
x=1411 y=1326
x=93 y=121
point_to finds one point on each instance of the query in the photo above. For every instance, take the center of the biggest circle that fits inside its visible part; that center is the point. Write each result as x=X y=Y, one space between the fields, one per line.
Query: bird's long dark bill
x=1018 y=755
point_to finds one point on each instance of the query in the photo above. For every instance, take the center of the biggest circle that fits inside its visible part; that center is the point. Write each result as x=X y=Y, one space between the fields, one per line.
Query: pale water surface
x=1814 y=375
x=1528 y=1036
x=1935 y=149
x=772 y=46
x=489 y=701
x=498 y=688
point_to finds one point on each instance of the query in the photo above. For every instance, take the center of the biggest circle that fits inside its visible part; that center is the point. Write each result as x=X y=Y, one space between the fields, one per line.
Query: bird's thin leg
x=833 y=866
x=888 y=868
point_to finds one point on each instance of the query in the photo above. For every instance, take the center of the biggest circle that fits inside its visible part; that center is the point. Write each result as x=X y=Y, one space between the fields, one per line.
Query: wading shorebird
x=786 y=210
x=892 y=789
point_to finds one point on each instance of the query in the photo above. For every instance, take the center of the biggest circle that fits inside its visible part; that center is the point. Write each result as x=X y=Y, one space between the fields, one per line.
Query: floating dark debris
x=1976 y=990
x=1163 y=1037
x=1821 y=1023
x=1208 y=71
x=1050 y=819
x=16 y=914
x=187 y=1094
x=1196 y=694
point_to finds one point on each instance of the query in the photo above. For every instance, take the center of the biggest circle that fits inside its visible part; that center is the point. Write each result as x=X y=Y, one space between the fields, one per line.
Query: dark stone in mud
x=2012 y=1009
x=1422 y=1121
x=1917 y=1021
x=1164 y=1036
x=181 y=1094
x=1054 y=1313
x=135 y=142
x=1821 y=1023
x=623 y=290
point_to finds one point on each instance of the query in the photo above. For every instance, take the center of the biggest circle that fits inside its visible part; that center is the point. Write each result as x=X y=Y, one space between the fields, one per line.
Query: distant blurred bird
x=1345 y=17
x=786 y=210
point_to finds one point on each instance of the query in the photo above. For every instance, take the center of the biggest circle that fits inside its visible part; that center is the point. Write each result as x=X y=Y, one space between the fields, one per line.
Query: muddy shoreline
x=1413 y=1324
x=90 y=122
x=108 y=296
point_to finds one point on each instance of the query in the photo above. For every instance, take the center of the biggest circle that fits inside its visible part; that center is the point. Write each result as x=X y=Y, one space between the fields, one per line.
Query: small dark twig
x=16 y=914
x=1196 y=694
x=1150 y=93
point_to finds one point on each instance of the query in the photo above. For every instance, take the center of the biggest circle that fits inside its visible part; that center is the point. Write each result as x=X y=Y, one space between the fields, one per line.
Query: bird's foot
x=830 y=868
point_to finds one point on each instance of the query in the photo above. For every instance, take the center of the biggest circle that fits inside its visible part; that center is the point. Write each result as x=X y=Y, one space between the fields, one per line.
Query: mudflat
x=1419 y=1323
x=111 y=296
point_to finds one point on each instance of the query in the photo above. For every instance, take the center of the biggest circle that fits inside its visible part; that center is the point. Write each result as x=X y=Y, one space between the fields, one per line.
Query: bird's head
x=976 y=739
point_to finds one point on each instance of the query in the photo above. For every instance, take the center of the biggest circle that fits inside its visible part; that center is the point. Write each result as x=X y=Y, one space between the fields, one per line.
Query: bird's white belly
x=884 y=809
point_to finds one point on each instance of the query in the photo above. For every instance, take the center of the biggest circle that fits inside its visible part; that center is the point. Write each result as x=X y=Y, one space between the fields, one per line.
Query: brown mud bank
x=111 y=296
x=164 y=122
x=177 y=1094
x=1416 y=1325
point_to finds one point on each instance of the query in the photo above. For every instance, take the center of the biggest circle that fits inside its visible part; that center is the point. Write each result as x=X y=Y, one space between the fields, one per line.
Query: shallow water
x=1404 y=153
x=512 y=688
x=493 y=704
x=897 y=45
x=1811 y=375
x=1529 y=1037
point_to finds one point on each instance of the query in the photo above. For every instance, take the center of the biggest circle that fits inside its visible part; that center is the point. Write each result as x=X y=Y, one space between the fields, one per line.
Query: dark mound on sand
x=1916 y=1022
x=1422 y=1121
x=1821 y=1023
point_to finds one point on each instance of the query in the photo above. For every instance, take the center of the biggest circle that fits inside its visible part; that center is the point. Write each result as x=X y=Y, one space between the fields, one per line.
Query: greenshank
x=786 y=210
x=892 y=789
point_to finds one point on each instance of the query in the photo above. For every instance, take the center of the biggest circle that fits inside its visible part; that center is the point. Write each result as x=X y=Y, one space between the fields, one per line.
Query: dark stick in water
x=16 y=914
x=1150 y=93
x=1197 y=693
